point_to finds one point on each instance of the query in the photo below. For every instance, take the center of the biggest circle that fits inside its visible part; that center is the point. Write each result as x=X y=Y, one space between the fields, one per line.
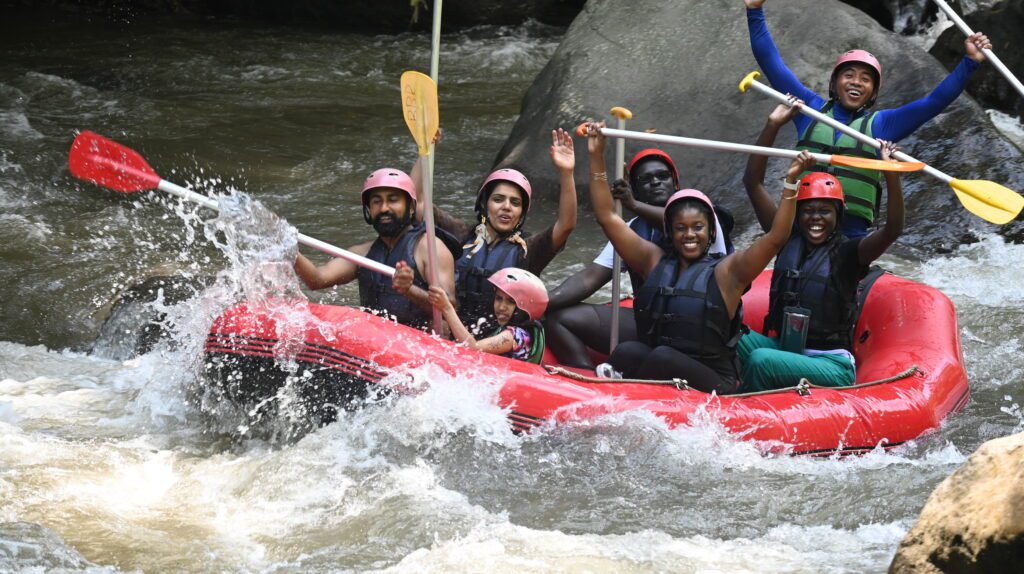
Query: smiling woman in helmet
x=498 y=240
x=815 y=277
x=854 y=85
x=689 y=309
x=519 y=301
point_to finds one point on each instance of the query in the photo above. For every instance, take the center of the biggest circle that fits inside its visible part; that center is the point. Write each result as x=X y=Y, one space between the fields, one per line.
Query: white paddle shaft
x=988 y=53
x=428 y=181
x=711 y=144
x=620 y=168
x=189 y=195
x=836 y=124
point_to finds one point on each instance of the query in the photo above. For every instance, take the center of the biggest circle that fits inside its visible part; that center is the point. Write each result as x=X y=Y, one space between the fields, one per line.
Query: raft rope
x=680 y=384
x=803 y=388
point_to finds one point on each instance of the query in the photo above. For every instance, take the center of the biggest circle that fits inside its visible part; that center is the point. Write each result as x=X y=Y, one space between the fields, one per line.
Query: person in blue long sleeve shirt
x=853 y=88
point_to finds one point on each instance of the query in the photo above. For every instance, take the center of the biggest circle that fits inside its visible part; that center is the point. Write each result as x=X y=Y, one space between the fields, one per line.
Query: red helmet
x=512 y=176
x=681 y=195
x=525 y=288
x=388 y=177
x=652 y=153
x=821 y=185
x=857 y=57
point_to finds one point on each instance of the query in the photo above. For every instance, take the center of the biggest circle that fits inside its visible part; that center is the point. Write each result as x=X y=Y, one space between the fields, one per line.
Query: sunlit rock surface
x=974 y=520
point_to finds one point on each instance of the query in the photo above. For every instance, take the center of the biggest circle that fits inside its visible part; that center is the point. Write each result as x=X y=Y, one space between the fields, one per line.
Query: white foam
x=980 y=272
x=506 y=547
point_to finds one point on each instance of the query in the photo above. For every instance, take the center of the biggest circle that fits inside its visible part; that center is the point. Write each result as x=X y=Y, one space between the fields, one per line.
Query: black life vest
x=806 y=279
x=475 y=292
x=375 y=290
x=686 y=311
x=651 y=233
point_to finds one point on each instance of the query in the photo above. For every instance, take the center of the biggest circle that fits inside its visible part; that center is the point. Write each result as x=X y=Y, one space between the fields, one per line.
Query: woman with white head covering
x=689 y=311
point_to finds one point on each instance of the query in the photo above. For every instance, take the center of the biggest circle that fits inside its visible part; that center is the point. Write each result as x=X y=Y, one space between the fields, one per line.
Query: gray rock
x=974 y=520
x=1002 y=23
x=677 y=66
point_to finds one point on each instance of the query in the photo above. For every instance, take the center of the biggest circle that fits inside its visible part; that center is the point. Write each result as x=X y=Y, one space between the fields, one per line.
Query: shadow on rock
x=677 y=67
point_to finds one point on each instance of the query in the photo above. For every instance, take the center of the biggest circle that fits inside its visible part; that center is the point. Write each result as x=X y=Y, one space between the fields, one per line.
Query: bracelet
x=784 y=196
x=599 y=175
x=788 y=185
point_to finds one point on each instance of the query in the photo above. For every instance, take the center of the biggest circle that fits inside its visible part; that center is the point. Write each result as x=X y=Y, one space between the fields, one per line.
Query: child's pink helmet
x=525 y=288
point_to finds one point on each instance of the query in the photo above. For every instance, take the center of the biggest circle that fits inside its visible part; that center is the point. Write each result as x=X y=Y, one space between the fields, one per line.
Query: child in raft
x=520 y=300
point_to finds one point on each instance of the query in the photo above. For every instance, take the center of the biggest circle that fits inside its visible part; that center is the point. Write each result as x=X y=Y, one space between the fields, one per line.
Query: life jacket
x=375 y=290
x=537 y=341
x=651 y=233
x=808 y=282
x=474 y=291
x=862 y=187
x=686 y=311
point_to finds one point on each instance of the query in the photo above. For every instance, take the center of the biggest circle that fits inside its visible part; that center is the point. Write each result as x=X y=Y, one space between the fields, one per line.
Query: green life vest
x=537 y=341
x=861 y=187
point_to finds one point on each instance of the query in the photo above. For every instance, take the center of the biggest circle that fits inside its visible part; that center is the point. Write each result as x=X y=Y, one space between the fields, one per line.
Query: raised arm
x=563 y=157
x=741 y=268
x=653 y=214
x=897 y=123
x=335 y=272
x=641 y=255
x=874 y=245
x=757 y=165
x=769 y=59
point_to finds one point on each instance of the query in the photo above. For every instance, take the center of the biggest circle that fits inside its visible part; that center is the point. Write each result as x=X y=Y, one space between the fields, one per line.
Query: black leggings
x=572 y=329
x=636 y=360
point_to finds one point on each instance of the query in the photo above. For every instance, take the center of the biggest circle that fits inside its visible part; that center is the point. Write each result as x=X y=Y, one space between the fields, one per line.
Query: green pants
x=764 y=366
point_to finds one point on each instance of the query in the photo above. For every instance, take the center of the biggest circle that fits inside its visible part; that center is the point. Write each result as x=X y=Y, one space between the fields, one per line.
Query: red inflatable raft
x=910 y=373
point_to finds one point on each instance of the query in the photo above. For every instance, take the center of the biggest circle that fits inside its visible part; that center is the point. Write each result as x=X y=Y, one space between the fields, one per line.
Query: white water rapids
x=115 y=466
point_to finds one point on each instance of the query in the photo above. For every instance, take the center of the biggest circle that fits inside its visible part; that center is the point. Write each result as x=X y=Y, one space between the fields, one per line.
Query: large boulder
x=677 y=66
x=1002 y=23
x=974 y=520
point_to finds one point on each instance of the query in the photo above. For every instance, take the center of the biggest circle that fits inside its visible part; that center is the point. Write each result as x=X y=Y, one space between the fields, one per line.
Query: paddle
x=843 y=160
x=419 y=106
x=621 y=115
x=988 y=53
x=988 y=200
x=109 y=164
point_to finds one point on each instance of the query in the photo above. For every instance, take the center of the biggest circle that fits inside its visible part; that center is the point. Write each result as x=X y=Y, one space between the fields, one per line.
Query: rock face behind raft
x=1002 y=23
x=974 y=520
x=677 y=66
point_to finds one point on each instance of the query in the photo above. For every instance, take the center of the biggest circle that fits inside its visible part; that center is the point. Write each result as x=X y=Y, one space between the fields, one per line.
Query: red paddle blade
x=99 y=160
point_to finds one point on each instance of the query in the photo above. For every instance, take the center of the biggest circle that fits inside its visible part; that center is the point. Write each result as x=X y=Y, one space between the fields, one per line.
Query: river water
x=112 y=466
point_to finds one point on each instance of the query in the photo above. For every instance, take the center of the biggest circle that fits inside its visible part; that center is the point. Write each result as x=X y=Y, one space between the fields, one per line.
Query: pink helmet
x=857 y=57
x=505 y=174
x=525 y=288
x=686 y=194
x=388 y=177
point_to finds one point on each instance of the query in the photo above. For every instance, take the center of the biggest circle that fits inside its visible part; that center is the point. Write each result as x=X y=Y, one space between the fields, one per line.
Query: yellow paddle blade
x=876 y=164
x=419 y=105
x=988 y=200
